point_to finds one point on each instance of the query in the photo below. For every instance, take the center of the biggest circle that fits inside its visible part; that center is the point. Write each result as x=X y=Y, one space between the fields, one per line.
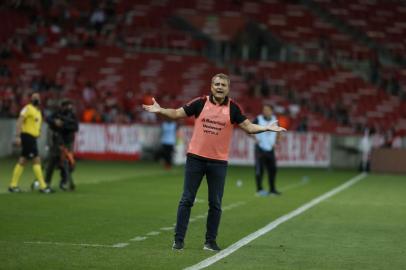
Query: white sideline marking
x=153 y=233
x=119 y=245
x=225 y=252
x=139 y=238
x=167 y=228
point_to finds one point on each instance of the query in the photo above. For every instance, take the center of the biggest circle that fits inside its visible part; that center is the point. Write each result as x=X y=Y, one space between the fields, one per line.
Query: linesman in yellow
x=28 y=130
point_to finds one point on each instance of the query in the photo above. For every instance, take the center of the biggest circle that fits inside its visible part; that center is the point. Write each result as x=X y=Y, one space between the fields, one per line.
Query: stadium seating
x=382 y=21
x=291 y=23
x=364 y=103
x=12 y=21
x=176 y=79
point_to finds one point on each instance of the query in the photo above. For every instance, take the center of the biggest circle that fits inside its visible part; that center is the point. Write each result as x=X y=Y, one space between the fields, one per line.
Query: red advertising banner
x=108 y=142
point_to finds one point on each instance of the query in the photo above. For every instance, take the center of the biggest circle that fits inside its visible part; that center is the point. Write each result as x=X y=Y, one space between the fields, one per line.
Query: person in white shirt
x=365 y=148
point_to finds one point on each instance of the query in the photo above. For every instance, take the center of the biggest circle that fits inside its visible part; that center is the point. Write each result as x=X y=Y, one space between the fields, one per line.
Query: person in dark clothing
x=265 y=152
x=63 y=125
x=168 y=142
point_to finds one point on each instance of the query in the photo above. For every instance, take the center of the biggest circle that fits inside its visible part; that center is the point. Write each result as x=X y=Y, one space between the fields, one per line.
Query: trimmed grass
x=361 y=228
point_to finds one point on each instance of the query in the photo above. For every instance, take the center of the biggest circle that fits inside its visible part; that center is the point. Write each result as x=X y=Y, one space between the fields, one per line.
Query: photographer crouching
x=63 y=125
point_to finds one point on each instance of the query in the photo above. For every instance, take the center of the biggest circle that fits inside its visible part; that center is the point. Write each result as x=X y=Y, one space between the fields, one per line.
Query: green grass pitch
x=122 y=214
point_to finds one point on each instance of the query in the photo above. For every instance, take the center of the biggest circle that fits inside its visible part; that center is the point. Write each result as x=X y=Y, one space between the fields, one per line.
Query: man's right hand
x=154 y=108
x=17 y=141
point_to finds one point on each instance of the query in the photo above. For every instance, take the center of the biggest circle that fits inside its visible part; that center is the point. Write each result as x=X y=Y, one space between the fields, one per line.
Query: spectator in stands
x=5 y=52
x=374 y=67
x=264 y=87
x=5 y=71
x=208 y=152
x=89 y=40
x=302 y=127
x=394 y=86
x=284 y=118
x=377 y=139
x=35 y=84
x=111 y=114
x=168 y=142
x=98 y=18
x=402 y=91
x=41 y=34
x=27 y=131
x=88 y=93
x=91 y=115
x=341 y=113
x=392 y=139
x=265 y=152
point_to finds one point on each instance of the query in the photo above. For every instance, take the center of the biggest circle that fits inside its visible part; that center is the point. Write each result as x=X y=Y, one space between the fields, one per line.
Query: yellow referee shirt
x=32 y=120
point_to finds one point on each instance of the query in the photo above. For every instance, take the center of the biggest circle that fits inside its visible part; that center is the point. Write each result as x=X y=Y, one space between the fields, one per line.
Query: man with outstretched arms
x=215 y=116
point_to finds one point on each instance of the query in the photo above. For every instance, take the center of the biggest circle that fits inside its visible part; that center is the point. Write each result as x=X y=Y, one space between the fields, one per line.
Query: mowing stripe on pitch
x=108 y=180
x=118 y=245
x=293 y=186
x=225 y=252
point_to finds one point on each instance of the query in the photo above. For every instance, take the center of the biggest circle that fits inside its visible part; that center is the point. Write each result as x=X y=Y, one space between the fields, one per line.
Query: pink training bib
x=212 y=132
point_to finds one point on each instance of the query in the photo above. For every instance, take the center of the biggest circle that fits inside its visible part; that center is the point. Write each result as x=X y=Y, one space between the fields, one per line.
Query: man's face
x=67 y=108
x=35 y=99
x=267 y=111
x=220 y=88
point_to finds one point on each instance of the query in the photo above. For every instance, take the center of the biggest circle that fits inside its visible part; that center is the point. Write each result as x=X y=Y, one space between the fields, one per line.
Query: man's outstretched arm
x=251 y=128
x=169 y=113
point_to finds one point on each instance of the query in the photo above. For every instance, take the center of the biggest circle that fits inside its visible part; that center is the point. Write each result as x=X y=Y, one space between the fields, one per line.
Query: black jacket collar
x=225 y=101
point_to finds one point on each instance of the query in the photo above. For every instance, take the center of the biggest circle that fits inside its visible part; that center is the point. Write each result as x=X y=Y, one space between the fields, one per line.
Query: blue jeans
x=215 y=173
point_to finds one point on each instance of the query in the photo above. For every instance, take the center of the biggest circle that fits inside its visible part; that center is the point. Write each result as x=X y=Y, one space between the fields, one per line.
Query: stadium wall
x=387 y=160
x=133 y=142
x=7 y=135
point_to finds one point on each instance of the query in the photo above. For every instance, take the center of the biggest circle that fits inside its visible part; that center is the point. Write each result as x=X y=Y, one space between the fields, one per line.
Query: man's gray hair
x=221 y=76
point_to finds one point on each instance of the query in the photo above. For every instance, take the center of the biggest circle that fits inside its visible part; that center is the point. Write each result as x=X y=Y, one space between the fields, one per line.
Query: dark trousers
x=265 y=159
x=167 y=153
x=215 y=173
x=55 y=161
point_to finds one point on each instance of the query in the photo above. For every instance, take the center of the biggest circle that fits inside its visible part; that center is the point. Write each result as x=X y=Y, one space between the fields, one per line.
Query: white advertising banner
x=293 y=149
x=108 y=142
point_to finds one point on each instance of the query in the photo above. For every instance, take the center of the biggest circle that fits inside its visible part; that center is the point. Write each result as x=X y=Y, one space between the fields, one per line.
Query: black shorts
x=29 y=147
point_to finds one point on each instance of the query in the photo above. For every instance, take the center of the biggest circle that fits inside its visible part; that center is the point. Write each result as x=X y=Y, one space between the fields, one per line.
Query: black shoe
x=47 y=190
x=212 y=246
x=62 y=186
x=14 y=190
x=177 y=245
x=72 y=186
x=275 y=193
